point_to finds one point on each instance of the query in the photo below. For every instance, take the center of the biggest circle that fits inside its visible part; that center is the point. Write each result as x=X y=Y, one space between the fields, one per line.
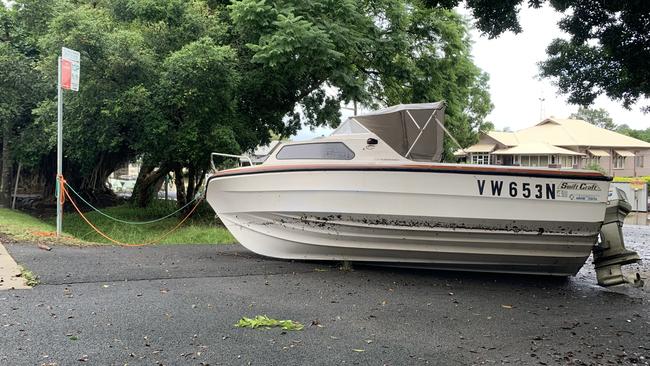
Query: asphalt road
x=176 y=305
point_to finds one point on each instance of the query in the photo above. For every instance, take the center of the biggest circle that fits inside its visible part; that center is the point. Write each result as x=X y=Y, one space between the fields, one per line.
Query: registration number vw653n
x=499 y=188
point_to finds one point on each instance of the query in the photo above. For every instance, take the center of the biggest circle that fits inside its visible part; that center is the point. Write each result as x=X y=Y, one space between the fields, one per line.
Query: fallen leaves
x=265 y=321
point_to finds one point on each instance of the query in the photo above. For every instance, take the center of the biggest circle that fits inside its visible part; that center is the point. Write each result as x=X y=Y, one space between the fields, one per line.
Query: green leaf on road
x=265 y=321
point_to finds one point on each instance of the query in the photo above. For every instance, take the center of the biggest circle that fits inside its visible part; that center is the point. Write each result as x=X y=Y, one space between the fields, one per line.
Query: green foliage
x=199 y=229
x=596 y=167
x=645 y=178
x=643 y=135
x=607 y=52
x=31 y=279
x=265 y=321
x=169 y=81
x=597 y=117
x=196 y=93
x=21 y=225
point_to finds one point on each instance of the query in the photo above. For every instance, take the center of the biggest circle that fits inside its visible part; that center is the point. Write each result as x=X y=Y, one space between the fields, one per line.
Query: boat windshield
x=316 y=150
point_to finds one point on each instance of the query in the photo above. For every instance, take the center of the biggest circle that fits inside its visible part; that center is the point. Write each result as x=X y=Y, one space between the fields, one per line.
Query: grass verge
x=20 y=225
x=201 y=228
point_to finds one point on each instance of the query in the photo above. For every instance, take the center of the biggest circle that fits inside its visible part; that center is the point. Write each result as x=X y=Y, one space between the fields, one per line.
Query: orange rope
x=127 y=244
x=61 y=189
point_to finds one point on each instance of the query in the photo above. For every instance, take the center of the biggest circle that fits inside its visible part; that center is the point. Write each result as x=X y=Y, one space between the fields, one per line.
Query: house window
x=569 y=161
x=638 y=161
x=322 y=150
x=619 y=162
x=594 y=160
x=534 y=160
x=543 y=160
x=525 y=160
x=480 y=158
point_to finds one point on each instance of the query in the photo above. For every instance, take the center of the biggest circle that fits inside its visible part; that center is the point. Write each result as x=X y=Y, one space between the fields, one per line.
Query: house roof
x=480 y=148
x=566 y=133
x=574 y=132
x=505 y=138
x=535 y=148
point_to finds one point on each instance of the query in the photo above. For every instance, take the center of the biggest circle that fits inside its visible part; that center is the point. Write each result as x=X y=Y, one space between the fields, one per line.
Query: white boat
x=375 y=191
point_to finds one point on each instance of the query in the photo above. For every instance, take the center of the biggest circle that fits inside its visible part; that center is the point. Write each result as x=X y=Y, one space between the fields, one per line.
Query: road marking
x=9 y=270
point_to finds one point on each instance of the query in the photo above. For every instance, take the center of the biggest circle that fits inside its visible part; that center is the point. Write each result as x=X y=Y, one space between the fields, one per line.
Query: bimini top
x=414 y=131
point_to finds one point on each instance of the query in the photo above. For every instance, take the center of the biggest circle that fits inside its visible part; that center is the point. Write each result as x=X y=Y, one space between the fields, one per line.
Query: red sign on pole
x=66 y=74
x=70 y=69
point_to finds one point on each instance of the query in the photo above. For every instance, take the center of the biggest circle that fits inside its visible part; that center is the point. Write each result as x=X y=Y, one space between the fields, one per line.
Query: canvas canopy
x=598 y=152
x=414 y=131
x=624 y=153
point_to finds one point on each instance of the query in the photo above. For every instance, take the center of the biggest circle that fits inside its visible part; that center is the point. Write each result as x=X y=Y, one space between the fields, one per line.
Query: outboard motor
x=610 y=252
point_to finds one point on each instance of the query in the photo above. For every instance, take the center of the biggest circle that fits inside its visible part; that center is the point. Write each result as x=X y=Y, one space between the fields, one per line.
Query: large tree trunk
x=195 y=181
x=148 y=183
x=191 y=171
x=181 y=198
x=7 y=165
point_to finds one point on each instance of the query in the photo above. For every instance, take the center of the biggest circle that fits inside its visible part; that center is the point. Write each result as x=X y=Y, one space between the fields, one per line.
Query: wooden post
x=13 y=201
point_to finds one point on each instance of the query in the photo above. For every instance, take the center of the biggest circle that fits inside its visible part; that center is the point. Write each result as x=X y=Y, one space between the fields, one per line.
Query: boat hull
x=444 y=220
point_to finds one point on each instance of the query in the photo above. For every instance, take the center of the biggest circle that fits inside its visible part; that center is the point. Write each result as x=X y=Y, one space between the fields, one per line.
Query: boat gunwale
x=413 y=168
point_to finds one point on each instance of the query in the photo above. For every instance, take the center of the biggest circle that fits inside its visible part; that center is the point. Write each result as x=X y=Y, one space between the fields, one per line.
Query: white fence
x=637 y=198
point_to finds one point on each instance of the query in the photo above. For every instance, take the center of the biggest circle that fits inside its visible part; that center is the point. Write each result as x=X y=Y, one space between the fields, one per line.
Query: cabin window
x=317 y=151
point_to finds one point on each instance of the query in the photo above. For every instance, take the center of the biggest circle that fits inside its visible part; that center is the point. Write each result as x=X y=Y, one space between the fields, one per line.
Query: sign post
x=68 y=78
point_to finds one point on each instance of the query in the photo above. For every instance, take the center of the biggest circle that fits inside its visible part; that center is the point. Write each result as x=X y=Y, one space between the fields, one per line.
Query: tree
x=169 y=81
x=196 y=95
x=643 y=135
x=597 y=117
x=377 y=53
x=607 y=52
x=18 y=96
x=103 y=120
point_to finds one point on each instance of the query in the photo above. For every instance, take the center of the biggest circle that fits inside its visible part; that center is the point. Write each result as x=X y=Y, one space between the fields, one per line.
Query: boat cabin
x=405 y=132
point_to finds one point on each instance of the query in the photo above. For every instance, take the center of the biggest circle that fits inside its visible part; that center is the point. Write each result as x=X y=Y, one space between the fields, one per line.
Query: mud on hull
x=473 y=245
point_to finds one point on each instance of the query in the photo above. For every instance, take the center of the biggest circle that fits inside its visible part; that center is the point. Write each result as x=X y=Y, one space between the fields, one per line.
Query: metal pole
x=59 y=152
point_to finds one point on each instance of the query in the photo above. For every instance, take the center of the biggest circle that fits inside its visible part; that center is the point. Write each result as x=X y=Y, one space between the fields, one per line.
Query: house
x=562 y=143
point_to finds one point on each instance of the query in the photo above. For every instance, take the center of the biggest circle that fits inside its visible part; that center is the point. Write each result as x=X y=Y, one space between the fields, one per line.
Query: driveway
x=177 y=304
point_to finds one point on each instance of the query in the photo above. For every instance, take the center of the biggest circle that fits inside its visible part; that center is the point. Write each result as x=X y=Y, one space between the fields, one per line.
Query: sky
x=511 y=61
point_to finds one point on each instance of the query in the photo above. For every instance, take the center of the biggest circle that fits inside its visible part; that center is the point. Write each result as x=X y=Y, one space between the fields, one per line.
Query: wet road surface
x=176 y=305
